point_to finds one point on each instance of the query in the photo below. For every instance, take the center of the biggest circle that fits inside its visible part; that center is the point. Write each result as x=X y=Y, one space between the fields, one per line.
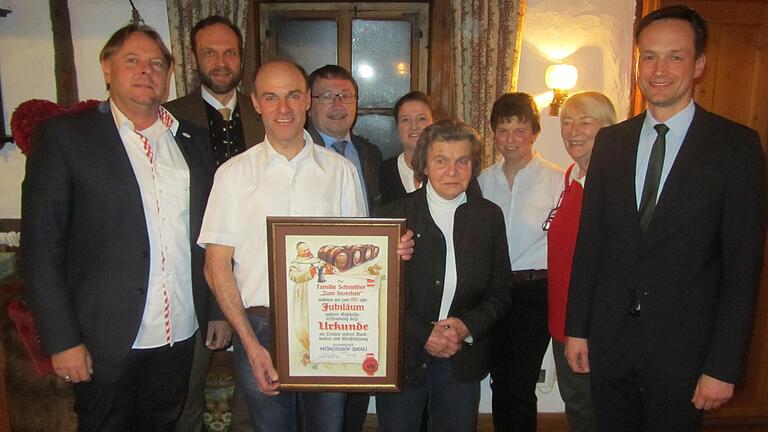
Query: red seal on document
x=370 y=364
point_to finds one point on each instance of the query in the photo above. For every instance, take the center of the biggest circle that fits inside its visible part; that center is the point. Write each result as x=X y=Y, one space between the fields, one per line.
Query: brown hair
x=117 y=40
x=683 y=13
x=414 y=96
x=445 y=130
x=213 y=20
x=332 y=72
x=518 y=105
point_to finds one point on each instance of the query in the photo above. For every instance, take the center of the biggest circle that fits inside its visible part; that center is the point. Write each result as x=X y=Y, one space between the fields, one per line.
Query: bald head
x=277 y=65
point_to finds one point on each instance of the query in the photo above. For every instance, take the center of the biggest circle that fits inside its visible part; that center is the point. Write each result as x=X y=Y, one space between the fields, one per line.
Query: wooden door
x=735 y=85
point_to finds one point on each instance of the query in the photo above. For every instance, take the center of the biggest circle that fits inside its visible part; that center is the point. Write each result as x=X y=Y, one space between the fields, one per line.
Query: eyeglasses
x=328 y=98
x=548 y=222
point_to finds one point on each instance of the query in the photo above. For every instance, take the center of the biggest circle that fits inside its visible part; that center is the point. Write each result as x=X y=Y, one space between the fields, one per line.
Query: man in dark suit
x=331 y=116
x=670 y=245
x=112 y=202
x=233 y=126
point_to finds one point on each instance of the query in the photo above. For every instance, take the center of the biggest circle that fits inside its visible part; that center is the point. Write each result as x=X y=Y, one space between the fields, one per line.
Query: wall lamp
x=560 y=78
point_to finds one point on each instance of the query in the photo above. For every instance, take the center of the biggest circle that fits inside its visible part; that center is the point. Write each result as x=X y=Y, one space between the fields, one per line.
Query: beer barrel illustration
x=348 y=256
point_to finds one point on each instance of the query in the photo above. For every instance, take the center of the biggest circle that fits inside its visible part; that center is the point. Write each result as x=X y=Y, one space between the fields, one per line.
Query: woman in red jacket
x=581 y=117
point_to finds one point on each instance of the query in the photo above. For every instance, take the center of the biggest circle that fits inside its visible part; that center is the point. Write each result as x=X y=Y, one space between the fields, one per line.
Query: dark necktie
x=653 y=177
x=340 y=146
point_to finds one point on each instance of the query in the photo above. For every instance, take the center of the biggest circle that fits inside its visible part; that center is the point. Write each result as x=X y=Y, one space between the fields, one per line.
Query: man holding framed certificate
x=287 y=175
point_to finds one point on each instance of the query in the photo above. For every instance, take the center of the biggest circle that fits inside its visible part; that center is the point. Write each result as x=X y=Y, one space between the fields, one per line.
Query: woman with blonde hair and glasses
x=581 y=117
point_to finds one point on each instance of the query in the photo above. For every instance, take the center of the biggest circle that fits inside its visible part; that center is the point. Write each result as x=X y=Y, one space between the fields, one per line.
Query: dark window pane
x=381 y=61
x=310 y=43
x=380 y=130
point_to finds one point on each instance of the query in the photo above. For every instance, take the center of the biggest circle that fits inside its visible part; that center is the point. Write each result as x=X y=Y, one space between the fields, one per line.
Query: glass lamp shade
x=561 y=76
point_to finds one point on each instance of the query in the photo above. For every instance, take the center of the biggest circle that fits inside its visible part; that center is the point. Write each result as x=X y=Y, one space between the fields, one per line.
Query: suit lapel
x=197 y=113
x=629 y=139
x=681 y=180
x=249 y=120
x=106 y=132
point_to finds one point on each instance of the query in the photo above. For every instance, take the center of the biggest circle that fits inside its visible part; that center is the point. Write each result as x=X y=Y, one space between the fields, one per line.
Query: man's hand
x=439 y=345
x=577 y=353
x=219 y=335
x=454 y=329
x=405 y=247
x=711 y=393
x=74 y=364
x=263 y=371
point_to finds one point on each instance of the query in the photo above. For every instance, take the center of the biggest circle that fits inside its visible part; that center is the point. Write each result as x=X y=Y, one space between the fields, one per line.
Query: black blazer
x=484 y=280
x=85 y=244
x=370 y=161
x=392 y=188
x=697 y=268
x=192 y=109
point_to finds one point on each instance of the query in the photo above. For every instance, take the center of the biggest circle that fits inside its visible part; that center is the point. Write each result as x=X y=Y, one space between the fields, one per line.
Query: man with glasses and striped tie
x=330 y=120
x=331 y=116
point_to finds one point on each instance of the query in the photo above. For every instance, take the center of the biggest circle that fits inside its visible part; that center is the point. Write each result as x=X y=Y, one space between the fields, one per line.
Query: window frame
x=343 y=14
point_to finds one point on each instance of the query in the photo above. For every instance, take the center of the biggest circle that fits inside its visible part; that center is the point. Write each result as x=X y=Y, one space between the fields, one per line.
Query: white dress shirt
x=535 y=192
x=261 y=182
x=406 y=174
x=165 y=197
x=678 y=127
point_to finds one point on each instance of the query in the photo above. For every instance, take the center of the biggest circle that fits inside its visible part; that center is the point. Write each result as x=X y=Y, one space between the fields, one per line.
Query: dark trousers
x=452 y=404
x=147 y=394
x=355 y=411
x=632 y=393
x=518 y=344
x=576 y=391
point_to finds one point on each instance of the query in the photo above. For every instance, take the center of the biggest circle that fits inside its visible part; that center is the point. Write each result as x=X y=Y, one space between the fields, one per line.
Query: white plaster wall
x=593 y=35
x=27 y=69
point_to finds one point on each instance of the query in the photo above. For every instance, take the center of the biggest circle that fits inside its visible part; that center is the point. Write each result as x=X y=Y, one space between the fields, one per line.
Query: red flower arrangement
x=31 y=113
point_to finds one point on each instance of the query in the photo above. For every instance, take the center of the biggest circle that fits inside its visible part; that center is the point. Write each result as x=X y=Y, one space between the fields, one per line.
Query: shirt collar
x=678 y=124
x=212 y=101
x=329 y=140
x=307 y=153
x=167 y=119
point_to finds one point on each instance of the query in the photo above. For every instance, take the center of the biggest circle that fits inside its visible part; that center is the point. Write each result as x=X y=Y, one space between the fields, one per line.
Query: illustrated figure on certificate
x=303 y=269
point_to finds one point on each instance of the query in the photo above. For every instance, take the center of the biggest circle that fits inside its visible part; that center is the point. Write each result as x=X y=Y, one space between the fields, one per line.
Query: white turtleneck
x=443 y=212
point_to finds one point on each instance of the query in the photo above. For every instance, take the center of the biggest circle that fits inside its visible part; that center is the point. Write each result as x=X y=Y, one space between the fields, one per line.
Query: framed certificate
x=337 y=303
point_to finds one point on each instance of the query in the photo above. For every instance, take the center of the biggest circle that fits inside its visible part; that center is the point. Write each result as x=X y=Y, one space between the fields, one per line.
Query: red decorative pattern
x=24 y=323
x=167 y=120
x=27 y=116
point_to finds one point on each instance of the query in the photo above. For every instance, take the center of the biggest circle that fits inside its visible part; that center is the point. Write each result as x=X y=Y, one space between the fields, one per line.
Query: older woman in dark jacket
x=457 y=285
